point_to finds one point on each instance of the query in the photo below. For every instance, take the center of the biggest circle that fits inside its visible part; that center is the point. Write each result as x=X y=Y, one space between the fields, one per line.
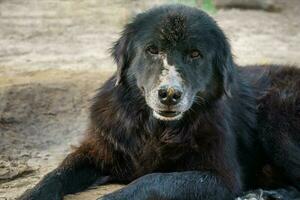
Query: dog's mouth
x=167 y=115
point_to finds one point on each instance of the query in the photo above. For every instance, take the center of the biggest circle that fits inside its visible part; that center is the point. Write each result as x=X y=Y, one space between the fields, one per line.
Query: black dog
x=184 y=118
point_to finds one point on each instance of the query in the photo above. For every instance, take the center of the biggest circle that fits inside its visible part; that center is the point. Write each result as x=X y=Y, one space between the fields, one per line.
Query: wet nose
x=169 y=95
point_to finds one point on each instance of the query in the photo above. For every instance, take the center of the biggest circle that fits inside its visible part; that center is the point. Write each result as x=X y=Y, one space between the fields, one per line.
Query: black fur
x=240 y=133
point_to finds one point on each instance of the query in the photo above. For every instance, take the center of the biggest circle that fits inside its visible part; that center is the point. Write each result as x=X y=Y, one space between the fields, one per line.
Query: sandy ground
x=54 y=55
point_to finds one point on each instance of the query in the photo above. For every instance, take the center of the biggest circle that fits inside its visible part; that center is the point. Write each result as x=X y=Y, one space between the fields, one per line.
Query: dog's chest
x=158 y=155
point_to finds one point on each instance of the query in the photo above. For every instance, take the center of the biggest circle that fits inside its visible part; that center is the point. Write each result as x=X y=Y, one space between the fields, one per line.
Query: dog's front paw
x=48 y=190
x=39 y=195
x=121 y=195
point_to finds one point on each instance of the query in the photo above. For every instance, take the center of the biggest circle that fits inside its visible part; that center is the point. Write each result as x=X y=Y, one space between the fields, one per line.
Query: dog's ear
x=223 y=62
x=228 y=74
x=122 y=52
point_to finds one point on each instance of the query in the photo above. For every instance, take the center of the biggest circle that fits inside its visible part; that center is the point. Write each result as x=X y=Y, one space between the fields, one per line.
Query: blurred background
x=54 y=55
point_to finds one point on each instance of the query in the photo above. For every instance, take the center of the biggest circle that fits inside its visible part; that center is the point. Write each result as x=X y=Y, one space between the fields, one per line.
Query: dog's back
x=278 y=106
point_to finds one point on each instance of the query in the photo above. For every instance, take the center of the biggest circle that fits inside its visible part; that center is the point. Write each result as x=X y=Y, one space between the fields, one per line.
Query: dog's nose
x=169 y=95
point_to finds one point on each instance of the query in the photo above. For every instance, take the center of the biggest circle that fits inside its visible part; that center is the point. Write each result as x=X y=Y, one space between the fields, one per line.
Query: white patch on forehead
x=169 y=75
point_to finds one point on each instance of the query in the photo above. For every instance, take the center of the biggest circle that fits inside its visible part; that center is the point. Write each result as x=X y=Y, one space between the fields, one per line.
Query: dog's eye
x=195 y=54
x=152 y=50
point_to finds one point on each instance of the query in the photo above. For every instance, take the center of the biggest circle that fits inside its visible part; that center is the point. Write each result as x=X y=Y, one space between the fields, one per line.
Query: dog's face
x=177 y=56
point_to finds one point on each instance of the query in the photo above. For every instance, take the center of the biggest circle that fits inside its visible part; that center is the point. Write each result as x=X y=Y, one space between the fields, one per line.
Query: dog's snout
x=169 y=95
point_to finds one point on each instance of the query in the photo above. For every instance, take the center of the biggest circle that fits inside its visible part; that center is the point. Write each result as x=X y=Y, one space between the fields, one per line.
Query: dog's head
x=177 y=56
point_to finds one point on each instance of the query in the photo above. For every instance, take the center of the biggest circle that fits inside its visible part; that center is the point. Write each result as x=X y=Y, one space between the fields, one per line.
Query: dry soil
x=54 y=55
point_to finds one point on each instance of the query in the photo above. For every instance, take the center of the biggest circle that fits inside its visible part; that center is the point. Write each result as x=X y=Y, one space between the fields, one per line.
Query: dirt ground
x=54 y=55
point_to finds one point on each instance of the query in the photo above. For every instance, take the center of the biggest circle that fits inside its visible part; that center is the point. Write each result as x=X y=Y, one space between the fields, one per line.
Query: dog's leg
x=190 y=185
x=77 y=172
